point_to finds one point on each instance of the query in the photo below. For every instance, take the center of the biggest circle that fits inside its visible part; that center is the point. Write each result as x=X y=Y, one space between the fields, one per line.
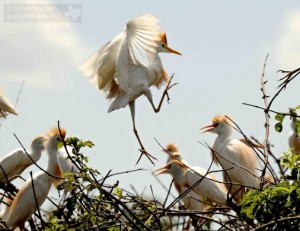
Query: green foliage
x=294 y=117
x=91 y=204
x=276 y=201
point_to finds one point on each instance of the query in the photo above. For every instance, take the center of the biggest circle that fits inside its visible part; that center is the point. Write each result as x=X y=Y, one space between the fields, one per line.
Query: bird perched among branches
x=240 y=163
x=126 y=67
x=294 y=140
x=6 y=106
x=187 y=176
x=34 y=191
x=14 y=163
x=191 y=201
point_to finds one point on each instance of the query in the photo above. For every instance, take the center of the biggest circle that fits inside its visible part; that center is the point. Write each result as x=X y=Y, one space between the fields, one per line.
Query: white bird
x=186 y=177
x=238 y=159
x=191 y=201
x=126 y=67
x=14 y=163
x=294 y=140
x=24 y=204
x=65 y=163
x=6 y=106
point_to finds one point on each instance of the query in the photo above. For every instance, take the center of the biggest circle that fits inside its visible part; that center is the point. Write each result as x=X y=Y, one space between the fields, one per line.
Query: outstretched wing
x=138 y=46
x=100 y=68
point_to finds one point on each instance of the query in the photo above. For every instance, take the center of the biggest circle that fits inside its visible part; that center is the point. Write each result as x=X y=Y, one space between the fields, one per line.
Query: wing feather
x=138 y=47
x=100 y=68
x=141 y=36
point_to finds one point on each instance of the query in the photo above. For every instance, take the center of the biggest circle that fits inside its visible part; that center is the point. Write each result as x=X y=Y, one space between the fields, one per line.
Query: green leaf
x=279 y=117
x=298 y=107
x=278 y=127
x=118 y=192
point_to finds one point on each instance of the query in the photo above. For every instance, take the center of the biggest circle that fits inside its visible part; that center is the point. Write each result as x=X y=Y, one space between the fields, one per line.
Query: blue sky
x=223 y=45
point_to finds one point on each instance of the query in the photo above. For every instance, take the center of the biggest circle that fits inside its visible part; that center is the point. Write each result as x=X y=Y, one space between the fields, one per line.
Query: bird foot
x=147 y=154
x=168 y=87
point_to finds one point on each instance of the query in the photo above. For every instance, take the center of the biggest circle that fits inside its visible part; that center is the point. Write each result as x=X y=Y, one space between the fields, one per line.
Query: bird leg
x=165 y=94
x=142 y=150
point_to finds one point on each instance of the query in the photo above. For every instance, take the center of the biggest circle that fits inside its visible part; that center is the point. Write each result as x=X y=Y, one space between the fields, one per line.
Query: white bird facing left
x=186 y=177
x=14 y=163
x=240 y=162
x=126 y=67
x=191 y=200
x=24 y=204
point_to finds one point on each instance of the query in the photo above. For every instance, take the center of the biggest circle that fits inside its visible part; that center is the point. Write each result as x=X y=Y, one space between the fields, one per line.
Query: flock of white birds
x=125 y=68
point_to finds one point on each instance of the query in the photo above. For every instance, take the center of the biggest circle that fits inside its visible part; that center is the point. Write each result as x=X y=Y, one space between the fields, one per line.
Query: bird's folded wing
x=100 y=68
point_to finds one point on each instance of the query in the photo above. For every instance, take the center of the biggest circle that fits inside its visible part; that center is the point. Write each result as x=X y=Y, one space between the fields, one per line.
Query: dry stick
x=19 y=93
x=34 y=161
x=36 y=202
x=128 y=171
x=119 y=202
x=202 y=217
x=264 y=226
x=289 y=77
x=164 y=204
x=230 y=168
x=237 y=128
x=267 y=122
x=65 y=146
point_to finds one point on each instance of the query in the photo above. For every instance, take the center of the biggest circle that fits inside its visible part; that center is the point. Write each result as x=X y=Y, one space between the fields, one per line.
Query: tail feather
x=121 y=101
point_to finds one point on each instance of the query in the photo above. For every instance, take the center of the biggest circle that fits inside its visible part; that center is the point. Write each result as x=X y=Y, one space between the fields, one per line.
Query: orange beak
x=162 y=170
x=173 y=51
x=207 y=128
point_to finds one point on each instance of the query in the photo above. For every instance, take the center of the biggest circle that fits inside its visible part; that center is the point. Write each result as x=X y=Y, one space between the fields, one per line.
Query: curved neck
x=35 y=153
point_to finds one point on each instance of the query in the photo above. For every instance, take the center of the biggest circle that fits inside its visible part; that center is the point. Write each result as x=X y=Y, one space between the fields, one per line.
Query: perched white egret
x=127 y=66
x=14 y=163
x=191 y=201
x=24 y=204
x=294 y=140
x=6 y=106
x=241 y=163
x=186 y=177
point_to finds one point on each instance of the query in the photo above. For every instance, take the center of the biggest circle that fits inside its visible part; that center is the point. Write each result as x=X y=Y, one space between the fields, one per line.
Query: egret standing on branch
x=240 y=162
x=191 y=200
x=24 y=203
x=187 y=177
x=14 y=163
x=6 y=106
x=127 y=66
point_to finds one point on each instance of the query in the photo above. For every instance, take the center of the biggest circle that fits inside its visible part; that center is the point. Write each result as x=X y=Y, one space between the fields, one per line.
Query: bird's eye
x=216 y=124
x=163 y=45
x=58 y=139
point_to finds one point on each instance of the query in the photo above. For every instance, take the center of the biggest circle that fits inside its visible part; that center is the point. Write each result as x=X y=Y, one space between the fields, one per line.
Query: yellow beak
x=173 y=51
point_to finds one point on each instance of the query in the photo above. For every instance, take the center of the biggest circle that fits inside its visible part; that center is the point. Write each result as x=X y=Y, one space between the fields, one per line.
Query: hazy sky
x=224 y=44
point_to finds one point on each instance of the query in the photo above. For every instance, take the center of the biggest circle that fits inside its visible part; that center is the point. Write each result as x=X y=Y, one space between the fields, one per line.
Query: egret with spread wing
x=127 y=66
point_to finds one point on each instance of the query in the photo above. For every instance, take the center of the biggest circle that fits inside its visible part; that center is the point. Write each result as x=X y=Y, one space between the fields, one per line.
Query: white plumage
x=14 y=163
x=126 y=67
x=245 y=170
x=5 y=105
x=65 y=163
x=185 y=177
x=294 y=140
x=24 y=205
